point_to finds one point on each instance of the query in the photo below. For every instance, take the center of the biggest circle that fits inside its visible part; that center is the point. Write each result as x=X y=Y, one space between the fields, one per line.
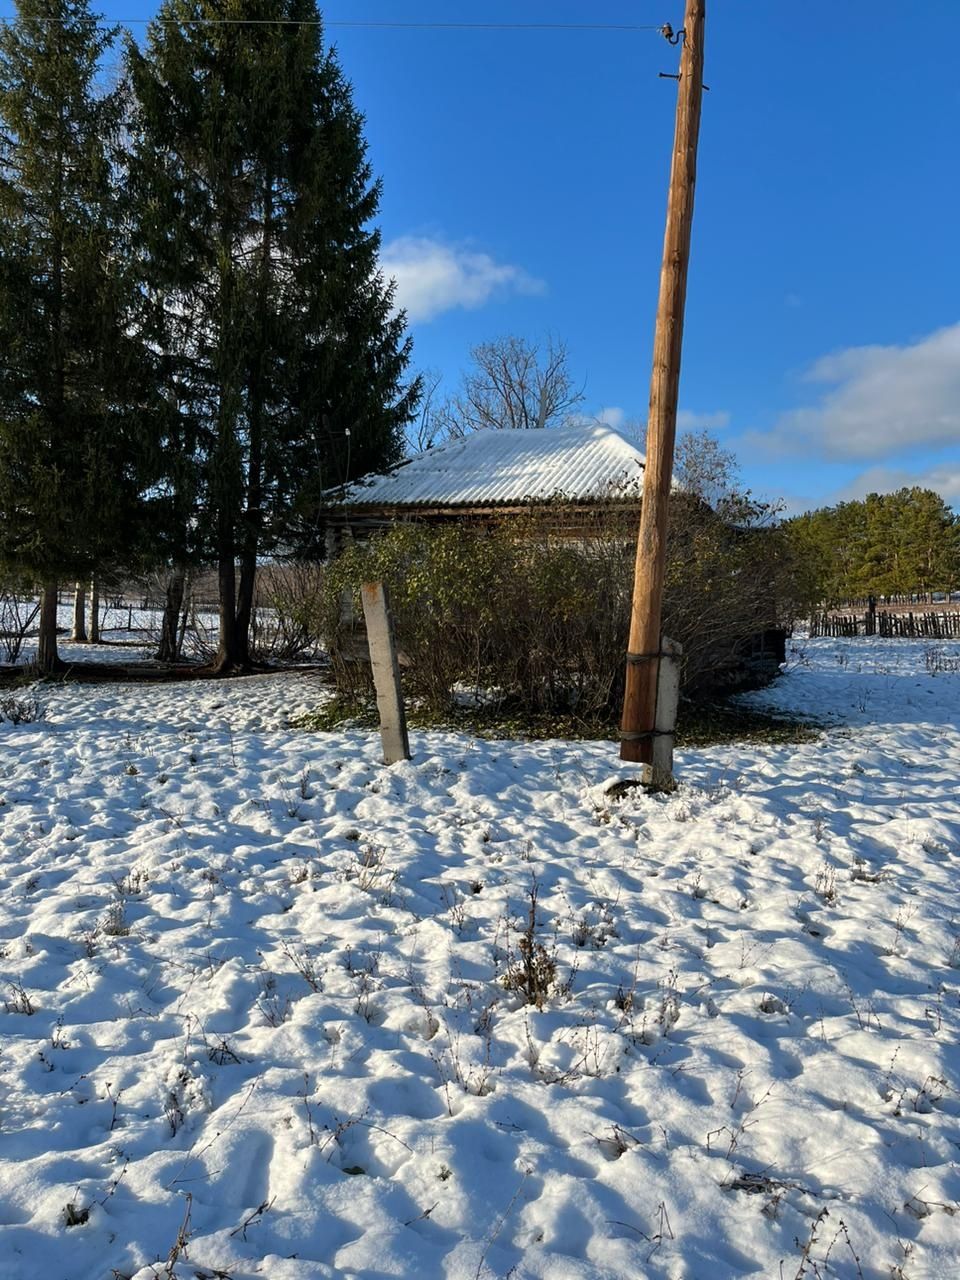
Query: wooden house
x=570 y=472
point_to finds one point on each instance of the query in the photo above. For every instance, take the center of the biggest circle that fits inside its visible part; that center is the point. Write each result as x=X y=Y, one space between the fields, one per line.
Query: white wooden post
x=386 y=672
x=659 y=774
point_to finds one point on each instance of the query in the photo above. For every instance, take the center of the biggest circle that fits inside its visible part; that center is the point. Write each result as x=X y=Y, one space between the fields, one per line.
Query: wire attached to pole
x=13 y=20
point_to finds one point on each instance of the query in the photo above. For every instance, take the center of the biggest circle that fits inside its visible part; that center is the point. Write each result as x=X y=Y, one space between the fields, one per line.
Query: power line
x=307 y=22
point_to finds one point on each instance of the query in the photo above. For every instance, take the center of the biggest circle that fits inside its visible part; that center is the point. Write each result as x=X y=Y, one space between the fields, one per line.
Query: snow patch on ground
x=263 y=1010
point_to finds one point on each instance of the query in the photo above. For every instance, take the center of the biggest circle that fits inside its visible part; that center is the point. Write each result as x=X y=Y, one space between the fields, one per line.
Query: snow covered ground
x=129 y=635
x=122 y=644
x=265 y=1011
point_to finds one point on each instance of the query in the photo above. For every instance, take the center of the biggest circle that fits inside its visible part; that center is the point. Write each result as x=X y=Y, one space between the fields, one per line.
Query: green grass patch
x=338 y=713
x=700 y=724
x=709 y=724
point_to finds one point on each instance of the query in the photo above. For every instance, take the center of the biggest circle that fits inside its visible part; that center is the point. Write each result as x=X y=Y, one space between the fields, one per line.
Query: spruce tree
x=69 y=465
x=253 y=199
x=884 y=544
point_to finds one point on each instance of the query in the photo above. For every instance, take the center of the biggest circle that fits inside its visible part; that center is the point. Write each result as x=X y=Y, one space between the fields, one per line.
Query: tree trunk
x=48 y=660
x=245 y=593
x=184 y=619
x=250 y=534
x=94 y=612
x=79 y=633
x=169 y=649
x=226 y=659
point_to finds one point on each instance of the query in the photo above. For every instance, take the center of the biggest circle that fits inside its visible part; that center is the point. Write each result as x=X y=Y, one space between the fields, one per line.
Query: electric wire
x=387 y=25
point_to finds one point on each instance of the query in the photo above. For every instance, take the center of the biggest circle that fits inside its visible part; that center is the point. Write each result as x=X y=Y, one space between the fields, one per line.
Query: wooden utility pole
x=638 y=725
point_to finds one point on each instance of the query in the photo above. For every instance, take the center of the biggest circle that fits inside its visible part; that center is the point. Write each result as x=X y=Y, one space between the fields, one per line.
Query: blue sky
x=524 y=190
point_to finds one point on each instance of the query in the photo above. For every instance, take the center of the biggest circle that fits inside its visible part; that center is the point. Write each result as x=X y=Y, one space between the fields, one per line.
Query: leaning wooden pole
x=638 y=725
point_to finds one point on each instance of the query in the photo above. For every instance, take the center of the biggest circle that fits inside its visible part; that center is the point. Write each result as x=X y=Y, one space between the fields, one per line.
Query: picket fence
x=921 y=625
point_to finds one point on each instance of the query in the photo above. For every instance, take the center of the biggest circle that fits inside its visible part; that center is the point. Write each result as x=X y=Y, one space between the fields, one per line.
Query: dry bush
x=730 y=576
x=281 y=624
x=19 y=608
x=281 y=628
x=21 y=709
x=201 y=633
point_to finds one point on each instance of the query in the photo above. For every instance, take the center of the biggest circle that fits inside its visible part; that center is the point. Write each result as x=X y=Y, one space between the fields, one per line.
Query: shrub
x=280 y=629
x=730 y=577
x=532 y=611
x=19 y=608
x=20 y=710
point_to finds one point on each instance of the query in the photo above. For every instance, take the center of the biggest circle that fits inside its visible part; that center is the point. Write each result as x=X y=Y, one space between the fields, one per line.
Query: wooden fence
x=922 y=625
x=918 y=601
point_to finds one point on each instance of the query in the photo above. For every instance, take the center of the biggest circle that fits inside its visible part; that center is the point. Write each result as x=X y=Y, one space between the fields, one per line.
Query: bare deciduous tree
x=514 y=385
x=436 y=420
x=704 y=468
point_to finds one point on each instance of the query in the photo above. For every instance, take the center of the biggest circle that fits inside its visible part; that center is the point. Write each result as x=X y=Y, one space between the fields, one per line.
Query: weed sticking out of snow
x=23 y=708
x=530 y=966
x=19 y=1000
x=114 y=923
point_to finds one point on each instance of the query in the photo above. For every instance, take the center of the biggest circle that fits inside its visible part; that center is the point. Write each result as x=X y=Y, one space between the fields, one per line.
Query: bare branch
x=516 y=385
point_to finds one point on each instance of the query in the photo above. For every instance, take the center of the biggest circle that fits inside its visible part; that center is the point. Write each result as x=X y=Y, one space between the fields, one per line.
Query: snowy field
x=131 y=635
x=271 y=1009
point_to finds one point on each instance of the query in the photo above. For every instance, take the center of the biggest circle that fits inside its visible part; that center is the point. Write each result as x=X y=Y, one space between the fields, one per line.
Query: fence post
x=386 y=672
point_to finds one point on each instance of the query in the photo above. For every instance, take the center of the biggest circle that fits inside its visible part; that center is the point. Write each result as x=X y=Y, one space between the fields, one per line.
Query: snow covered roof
x=499 y=468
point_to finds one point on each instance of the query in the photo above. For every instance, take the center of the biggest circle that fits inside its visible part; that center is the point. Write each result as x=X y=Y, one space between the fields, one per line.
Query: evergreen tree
x=886 y=544
x=68 y=446
x=253 y=198
x=927 y=540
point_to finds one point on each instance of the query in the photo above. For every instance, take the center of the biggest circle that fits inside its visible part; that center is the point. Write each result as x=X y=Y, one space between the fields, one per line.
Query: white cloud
x=612 y=416
x=879 y=401
x=688 y=420
x=943 y=479
x=433 y=277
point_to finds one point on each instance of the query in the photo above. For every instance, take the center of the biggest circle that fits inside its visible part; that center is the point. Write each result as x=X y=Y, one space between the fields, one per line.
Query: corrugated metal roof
x=495 y=468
